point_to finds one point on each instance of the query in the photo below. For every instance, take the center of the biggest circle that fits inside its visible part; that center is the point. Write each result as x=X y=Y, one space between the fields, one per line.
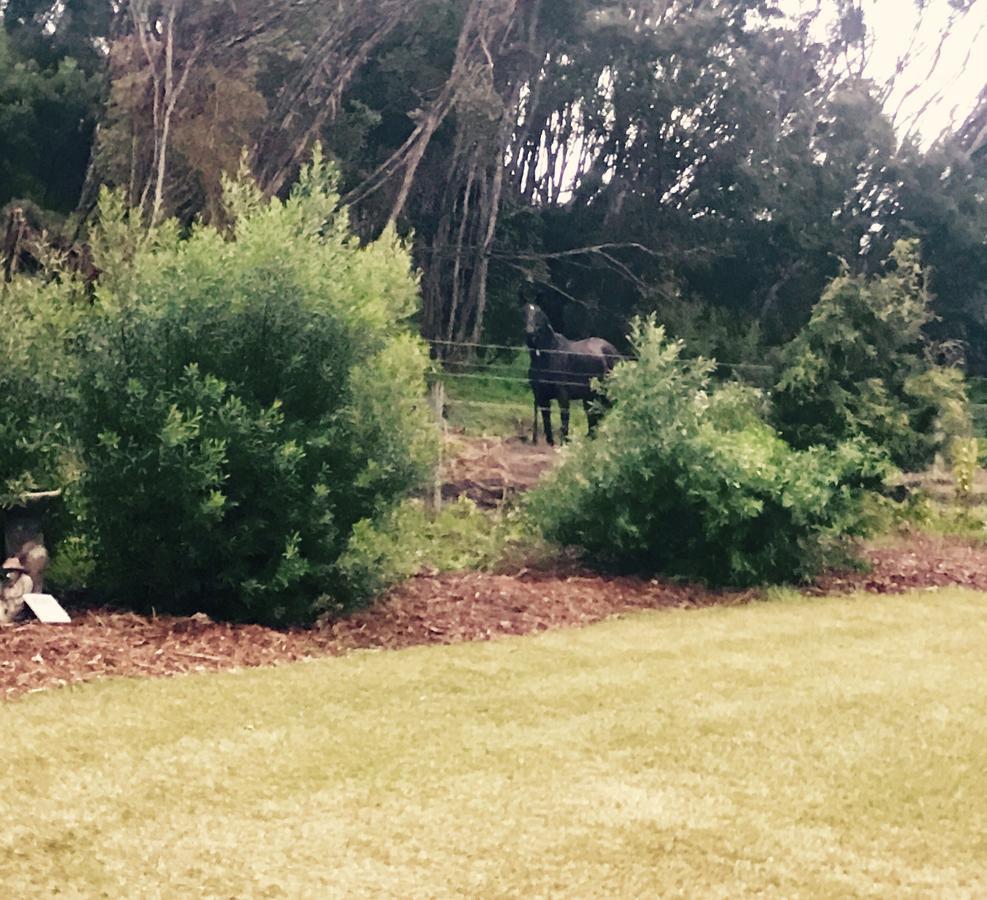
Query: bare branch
x=937 y=56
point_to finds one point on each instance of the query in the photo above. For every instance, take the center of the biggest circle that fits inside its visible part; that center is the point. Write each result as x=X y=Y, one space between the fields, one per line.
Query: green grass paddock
x=497 y=401
x=795 y=747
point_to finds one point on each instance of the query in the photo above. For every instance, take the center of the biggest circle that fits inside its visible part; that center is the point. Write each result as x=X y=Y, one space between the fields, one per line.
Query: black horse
x=563 y=370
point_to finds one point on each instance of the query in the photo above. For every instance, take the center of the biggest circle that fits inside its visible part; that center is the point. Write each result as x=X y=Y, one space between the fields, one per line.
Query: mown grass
x=796 y=747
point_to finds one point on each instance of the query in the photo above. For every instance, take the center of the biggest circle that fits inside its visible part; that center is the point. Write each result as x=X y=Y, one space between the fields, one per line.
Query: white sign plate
x=47 y=608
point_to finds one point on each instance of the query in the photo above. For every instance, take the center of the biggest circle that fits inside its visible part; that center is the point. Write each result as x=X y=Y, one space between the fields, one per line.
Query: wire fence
x=516 y=379
x=470 y=346
x=483 y=390
x=517 y=348
x=978 y=412
x=490 y=394
x=466 y=375
x=492 y=397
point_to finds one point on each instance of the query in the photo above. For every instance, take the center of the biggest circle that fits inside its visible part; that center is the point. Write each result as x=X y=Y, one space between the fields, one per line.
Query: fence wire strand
x=491 y=371
x=517 y=348
x=510 y=379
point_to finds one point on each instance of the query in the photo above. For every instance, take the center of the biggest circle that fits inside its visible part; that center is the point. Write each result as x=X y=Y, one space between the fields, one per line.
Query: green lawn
x=795 y=747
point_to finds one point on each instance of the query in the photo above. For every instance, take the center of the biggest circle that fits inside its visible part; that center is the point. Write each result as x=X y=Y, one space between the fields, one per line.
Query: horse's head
x=537 y=328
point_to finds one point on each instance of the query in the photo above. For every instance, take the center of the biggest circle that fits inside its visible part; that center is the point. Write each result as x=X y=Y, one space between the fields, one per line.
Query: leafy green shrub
x=965 y=464
x=35 y=385
x=686 y=482
x=858 y=369
x=247 y=400
x=412 y=538
x=708 y=331
x=36 y=379
x=72 y=564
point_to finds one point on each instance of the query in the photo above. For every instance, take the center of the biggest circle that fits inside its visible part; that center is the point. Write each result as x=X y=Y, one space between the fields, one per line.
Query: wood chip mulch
x=428 y=609
x=918 y=561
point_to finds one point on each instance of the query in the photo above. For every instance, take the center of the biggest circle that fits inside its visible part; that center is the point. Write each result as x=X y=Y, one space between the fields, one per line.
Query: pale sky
x=961 y=69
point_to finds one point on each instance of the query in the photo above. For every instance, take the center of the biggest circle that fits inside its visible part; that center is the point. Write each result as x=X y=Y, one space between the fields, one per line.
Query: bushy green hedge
x=37 y=374
x=859 y=369
x=683 y=480
x=458 y=536
x=246 y=398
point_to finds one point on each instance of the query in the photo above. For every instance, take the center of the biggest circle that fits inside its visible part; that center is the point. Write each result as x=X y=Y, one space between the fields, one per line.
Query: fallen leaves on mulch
x=428 y=609
x=920 y=561
x=436 y=609
x=104 y=642
x=448 y=609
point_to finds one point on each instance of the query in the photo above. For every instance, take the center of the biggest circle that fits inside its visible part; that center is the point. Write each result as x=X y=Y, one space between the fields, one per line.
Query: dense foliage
x=860 y=368
x=36 y=381
x=624 y=157
x=459 y=535
x=247 y=398
x=684 y=481
x=47 y=117
x=239 y=408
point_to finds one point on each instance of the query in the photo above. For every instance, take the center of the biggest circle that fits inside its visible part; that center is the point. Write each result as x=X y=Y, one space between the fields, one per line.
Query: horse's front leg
x=564 y=416
x=534 y=424
x=545 y=406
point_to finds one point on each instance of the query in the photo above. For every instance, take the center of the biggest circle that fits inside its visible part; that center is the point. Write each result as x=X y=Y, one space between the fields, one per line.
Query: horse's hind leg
x=564 y=416
x=592 y=414
x=534 y=425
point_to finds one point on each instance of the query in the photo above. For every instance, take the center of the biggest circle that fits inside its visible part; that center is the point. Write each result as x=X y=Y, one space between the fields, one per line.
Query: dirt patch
x=916 y=561
x=940 y=485
x=490 y=471
x=437 y=609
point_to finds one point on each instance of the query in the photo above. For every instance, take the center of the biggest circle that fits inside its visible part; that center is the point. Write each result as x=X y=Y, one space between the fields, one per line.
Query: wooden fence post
x=436 y=399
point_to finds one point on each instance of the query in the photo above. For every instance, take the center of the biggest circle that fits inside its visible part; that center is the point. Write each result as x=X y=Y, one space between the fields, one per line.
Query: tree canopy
x=710 y=158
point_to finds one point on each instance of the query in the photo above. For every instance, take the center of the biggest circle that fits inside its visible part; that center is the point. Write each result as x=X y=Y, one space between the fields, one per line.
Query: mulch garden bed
x=918 y=561
x=428 y=609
